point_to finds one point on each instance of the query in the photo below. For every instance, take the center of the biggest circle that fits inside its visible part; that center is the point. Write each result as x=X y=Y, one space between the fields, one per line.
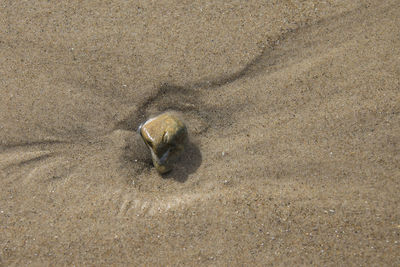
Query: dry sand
x=293 y=110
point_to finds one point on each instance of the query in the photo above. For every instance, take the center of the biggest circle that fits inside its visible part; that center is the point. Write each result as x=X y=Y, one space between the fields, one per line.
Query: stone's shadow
x=188 y=163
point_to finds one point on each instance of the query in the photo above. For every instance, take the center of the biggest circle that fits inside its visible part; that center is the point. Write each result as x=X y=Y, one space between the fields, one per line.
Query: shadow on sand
x=189 y=162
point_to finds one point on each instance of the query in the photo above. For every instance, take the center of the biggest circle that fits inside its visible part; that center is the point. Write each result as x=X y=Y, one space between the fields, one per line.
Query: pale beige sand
x=293 y=109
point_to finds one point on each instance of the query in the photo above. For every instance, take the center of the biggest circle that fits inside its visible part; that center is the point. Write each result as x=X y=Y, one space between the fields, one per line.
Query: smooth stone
x=166 y=136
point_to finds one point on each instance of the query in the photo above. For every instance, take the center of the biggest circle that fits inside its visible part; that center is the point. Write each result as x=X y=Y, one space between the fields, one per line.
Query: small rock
x=166 y=136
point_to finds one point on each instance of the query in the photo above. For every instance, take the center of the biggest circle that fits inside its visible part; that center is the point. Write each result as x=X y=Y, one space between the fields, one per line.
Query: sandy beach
x=293 y=114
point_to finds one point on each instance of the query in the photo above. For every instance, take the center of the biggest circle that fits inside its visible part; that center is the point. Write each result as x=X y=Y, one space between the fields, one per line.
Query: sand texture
x=293 y=114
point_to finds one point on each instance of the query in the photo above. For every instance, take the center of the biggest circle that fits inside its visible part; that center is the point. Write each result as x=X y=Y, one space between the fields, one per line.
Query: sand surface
x=293 y=111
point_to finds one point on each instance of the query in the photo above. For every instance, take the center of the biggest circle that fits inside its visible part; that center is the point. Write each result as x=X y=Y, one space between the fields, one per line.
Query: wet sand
x=293 y=112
